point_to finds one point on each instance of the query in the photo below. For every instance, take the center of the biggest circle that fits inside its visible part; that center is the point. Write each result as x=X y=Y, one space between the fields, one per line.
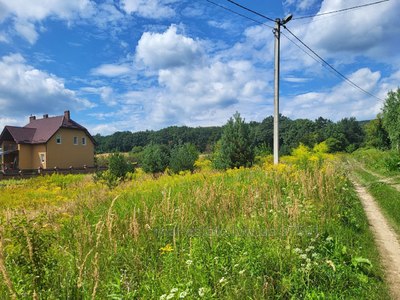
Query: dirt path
x=385 y=238
x=387 y=180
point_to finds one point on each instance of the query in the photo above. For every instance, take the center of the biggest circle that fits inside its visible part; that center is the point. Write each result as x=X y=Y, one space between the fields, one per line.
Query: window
x=75 y=140
x=58 y=139
x=83 y=141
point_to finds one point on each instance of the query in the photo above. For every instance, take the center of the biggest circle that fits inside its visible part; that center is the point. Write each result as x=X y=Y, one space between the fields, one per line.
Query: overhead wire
x=250 y=10
x=239 y=14
x=263 y=24
x=339 y=10
x=331 y=67
x=325 y=63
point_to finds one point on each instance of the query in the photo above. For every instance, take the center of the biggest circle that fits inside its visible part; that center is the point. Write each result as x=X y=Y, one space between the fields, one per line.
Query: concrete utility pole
x=277 y=33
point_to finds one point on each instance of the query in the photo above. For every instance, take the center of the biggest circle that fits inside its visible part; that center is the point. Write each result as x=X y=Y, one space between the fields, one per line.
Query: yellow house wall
x=35 y=150
x=25 y=156
x=29 y=156
x=67 y=154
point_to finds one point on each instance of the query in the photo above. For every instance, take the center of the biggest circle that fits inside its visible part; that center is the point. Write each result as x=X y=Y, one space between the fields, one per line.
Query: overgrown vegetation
x=296 y=230
x=380 y=172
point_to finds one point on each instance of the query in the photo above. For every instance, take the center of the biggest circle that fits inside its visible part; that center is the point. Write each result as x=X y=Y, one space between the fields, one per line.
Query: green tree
x=118 y=165
x=391 y=117
x=183 y=158
x=376 y=135
x=235 y=148
x=155 y=158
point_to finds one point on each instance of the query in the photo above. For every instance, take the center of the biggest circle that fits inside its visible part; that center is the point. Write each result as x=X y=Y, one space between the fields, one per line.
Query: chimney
x=32 y=118
x=45 y=116
x=67 y=115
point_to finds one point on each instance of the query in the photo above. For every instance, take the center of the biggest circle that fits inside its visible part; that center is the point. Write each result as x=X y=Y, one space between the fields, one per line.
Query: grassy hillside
x=292 y=231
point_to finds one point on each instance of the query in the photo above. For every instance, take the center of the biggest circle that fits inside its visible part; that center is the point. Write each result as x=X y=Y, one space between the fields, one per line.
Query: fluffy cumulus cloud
x=25 y=15
x=340 y=101
x=25 y=90
x=195 y=86
x=168 y=49
x=149 y=8
x=369 y=31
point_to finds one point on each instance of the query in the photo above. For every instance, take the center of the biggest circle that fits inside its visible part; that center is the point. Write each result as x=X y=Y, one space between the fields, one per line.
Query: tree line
x=345 y=135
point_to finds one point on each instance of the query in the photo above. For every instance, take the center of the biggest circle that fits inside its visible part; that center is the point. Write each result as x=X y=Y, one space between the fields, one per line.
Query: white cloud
x=193 y=93
x=36 y=10
x=167 y=50
x=26 y=14
x=368 y=31
x=105 y=93
x=27 y=30
x=343 y=100
x=111 y=70
x=25 y=89
x=299 y=5
x=149 y=8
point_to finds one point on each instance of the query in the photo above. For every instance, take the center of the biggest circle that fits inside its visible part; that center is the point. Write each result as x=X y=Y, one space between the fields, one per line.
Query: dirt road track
x=385 y=238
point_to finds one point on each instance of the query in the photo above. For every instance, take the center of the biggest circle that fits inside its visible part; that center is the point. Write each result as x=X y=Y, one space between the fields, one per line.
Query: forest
x=345 y=135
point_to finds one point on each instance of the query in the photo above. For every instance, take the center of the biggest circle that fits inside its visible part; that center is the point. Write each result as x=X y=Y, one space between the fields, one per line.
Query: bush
x=118 y=165
x=392 y=162
x=183 y=158
x=155 y=158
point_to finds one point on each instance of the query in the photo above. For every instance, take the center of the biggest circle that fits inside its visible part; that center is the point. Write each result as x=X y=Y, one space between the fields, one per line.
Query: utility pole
x=277 y=34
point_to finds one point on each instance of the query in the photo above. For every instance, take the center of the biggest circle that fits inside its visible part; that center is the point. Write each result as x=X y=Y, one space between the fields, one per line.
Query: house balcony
x=9 y=157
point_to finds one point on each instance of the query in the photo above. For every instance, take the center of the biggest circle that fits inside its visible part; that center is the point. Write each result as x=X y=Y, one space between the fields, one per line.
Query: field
x=295 y=231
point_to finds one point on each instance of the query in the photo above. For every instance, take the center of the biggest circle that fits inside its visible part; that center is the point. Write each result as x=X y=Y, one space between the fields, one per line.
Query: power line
x=340 y=10
x=239 y=14
x=250 y=10
x=330 y=66
x=316 y=54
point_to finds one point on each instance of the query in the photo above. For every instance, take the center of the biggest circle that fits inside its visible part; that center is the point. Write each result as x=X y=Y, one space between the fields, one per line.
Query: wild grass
x=291 y=231
x=386 y=163
x=386 y=196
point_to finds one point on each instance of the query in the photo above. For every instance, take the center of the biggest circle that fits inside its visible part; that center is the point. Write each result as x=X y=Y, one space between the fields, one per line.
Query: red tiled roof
x=19 y=134
x=45 y=128
x=39 y=131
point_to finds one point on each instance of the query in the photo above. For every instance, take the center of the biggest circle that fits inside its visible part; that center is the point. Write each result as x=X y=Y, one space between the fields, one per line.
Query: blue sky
x=146 y=64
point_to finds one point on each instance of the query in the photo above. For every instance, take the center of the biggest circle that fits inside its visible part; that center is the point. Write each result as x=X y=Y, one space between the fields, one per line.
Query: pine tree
x=235 y=148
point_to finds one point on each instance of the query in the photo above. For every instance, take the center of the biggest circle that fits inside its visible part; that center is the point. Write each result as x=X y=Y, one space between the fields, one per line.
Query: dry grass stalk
x=3 y=270
x=30 y=250
x=110 y=219
x=79 y=282
x=134 y=226
x=99 y=229
x=95 y=274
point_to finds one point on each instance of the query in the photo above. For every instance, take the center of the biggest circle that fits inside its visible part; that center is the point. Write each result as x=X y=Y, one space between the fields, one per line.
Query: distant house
x=50 y=142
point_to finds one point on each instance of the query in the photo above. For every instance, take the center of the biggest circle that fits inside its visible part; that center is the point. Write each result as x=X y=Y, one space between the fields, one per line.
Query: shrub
x=155 y=158
x=183 y=158
x=118 y=165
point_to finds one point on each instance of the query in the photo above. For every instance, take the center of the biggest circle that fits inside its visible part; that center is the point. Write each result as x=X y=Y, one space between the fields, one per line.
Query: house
x=48 y=143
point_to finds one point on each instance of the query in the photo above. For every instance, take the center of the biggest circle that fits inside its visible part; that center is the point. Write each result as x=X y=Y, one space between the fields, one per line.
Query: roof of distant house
x=39 y=131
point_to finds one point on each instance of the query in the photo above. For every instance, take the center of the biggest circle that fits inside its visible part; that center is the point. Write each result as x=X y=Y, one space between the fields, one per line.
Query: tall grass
x=266 y=232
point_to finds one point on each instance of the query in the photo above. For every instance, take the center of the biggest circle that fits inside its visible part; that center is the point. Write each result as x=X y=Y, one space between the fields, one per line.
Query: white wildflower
x=297 y=250
x=201 y=292
x=183 y=294
x=170 y=296
x=163 y=296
